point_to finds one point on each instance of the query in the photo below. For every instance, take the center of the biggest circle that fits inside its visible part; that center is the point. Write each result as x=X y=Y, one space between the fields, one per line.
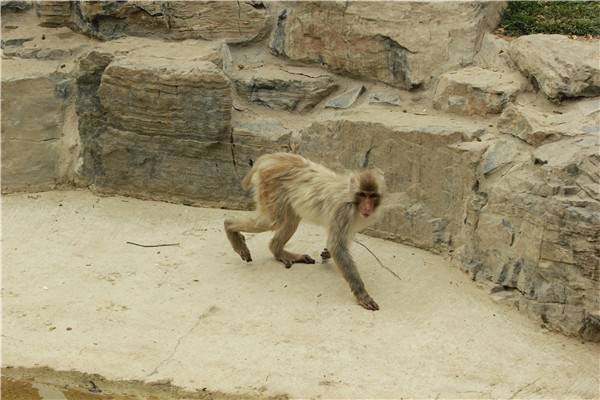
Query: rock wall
x=489 y=147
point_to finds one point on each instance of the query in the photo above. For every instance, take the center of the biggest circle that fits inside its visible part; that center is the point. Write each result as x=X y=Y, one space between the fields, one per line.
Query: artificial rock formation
x=577 y=73
x=490 y=149
x=402 y=44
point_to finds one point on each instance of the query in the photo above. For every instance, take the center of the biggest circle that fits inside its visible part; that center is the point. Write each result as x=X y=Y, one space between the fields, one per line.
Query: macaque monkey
x=288 y=188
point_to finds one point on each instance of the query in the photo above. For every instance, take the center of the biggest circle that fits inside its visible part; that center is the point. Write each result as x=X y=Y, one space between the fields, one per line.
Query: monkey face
x=367 y=202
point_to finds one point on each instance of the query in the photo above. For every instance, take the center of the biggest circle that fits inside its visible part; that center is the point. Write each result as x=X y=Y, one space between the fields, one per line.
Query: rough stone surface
x=560 y=67
x=387 y=98
x=282 y=90
x=424 y=207
x=142 y=151
x=537 y=127
x=477 y=91
x=501 y=153
x=537 y=235
x=399 y=43
x=33 y=126
x=493 y=54
x=233 y=22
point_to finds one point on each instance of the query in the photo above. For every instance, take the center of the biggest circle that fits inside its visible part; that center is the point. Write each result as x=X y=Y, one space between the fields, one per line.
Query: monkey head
x=367 y=189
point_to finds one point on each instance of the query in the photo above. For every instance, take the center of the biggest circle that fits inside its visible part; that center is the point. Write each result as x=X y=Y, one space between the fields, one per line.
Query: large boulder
x=186 y=155
x=409 y=43
x=561 y=67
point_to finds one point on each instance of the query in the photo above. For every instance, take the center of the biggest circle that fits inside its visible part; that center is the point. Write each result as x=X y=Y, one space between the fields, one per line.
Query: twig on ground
x=378 y=260
x=153 y=245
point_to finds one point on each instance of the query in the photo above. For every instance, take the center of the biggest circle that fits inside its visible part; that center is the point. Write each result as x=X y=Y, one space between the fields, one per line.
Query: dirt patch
x=44 y=383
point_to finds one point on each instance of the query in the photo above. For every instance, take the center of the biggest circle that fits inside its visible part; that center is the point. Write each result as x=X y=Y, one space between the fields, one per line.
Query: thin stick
x=153 y=245
x=378 y=260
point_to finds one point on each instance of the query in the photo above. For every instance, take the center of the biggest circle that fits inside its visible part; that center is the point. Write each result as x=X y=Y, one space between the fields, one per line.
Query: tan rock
x=34 y=99
x=561 y=67
x=233 y=22
x=477 y=91
x=403 y=44
x=538 y=127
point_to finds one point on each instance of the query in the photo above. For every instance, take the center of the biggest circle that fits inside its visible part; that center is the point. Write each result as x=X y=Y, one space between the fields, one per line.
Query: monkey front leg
x=345 y=263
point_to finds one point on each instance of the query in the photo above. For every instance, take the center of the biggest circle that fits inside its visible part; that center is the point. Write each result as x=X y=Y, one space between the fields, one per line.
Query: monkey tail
x=247 y=181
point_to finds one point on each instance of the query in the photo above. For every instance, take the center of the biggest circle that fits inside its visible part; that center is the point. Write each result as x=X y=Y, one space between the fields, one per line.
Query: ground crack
x=210 y=311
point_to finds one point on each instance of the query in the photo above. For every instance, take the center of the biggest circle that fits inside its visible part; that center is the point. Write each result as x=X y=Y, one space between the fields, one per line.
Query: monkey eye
x=362 y=194
x=375 y=196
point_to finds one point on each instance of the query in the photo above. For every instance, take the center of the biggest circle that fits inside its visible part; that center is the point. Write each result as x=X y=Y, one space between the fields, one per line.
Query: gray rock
x=158 y=129
x=560 y=67
x=387 y=98
x=346 y=99
x=282 y=90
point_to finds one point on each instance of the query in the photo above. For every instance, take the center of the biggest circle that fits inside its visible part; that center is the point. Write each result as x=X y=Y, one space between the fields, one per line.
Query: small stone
x=388 y=98
x=347 y=99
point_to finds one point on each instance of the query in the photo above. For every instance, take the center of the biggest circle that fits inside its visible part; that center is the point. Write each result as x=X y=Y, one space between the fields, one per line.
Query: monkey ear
x=353 y=184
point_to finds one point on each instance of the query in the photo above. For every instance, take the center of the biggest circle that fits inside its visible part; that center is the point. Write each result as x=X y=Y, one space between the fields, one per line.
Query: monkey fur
x=288 y=188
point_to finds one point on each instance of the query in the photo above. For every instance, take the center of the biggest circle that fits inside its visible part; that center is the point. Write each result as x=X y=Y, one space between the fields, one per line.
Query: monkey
x=289 y=188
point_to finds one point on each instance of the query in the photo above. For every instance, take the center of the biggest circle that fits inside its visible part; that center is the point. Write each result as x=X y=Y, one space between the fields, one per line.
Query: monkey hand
x=367 y=302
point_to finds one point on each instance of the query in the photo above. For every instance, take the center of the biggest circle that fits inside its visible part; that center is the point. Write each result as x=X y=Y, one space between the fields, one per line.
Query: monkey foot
x=368 y=303
x=290 y=259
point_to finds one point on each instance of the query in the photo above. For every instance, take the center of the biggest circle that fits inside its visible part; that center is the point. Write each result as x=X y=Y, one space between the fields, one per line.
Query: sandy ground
x=77 y=296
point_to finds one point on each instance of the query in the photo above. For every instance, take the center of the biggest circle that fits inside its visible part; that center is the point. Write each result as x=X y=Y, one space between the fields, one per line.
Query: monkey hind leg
x=237 y=240
x=283 y=234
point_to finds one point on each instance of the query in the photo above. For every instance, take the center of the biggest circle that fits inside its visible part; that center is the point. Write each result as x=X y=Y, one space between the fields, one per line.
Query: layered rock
x=233 y=22
x=477 y=91
x=560 y=67
x=402 y=44
x=141 y=151
x=282 y=90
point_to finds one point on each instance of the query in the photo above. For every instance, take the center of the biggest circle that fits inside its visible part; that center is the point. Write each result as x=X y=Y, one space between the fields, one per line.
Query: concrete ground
x=77 y=296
